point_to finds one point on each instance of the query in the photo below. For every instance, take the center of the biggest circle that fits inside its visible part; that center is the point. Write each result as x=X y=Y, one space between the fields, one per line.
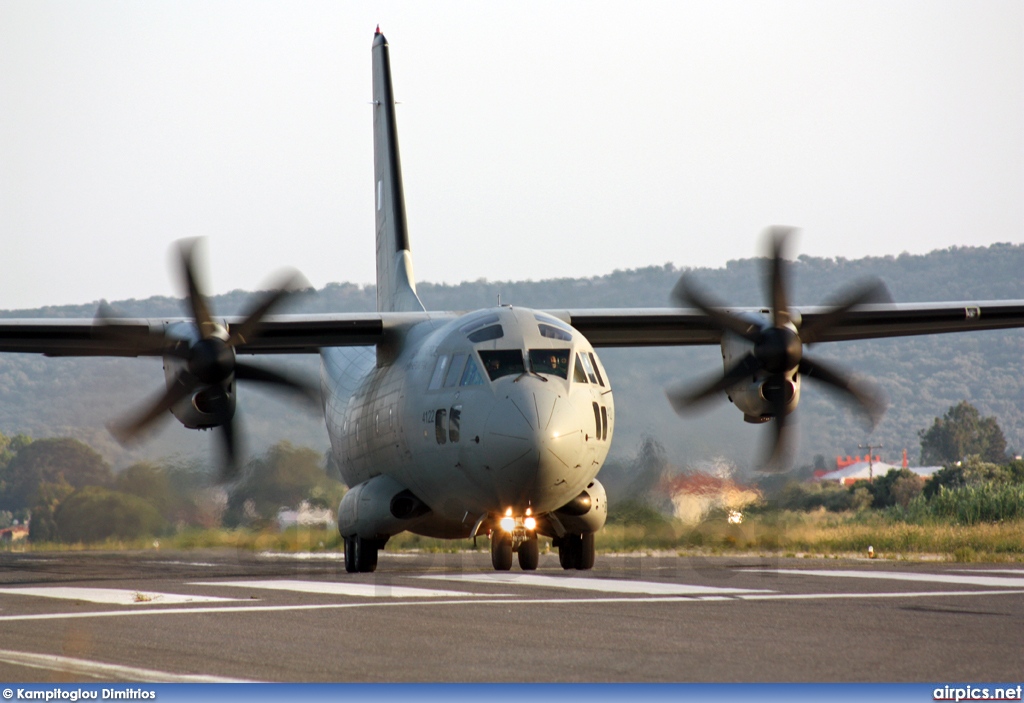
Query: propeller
x=778 y=350
x=208 y=365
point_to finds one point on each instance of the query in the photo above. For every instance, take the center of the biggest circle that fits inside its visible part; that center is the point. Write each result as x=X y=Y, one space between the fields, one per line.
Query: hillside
x=922 y=375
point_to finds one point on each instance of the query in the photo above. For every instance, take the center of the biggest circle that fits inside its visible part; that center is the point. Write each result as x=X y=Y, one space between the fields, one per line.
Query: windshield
x=502 y=362
x=550 y=361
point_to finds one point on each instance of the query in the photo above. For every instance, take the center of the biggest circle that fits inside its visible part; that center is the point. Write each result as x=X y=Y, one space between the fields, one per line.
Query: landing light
x=530 y=524
x=508 y=523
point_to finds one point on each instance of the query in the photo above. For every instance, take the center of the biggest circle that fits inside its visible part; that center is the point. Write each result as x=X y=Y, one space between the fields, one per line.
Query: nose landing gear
x=515 y=535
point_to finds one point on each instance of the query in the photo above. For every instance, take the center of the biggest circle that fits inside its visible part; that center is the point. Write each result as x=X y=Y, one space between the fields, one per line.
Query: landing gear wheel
x=501 y=551
x=529 y=554
x=576 y=551
x=350 y=555
x=586 y=556
x=568 y=551
x=360 y=555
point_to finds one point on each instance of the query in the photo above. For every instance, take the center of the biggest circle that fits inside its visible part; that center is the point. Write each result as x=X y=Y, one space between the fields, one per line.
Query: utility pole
x=871 y=459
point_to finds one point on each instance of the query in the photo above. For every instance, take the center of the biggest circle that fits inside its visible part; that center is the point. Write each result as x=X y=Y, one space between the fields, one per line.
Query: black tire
x=501 y=552
x=350 y=555
x=569 y=548
x=360 y=555
x=585 y=560
x=529 y=554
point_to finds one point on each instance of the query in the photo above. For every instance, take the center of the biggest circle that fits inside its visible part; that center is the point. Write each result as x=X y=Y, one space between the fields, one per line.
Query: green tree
x=971 y=472
x=42 y=526
x=149 y=482
x=960 y=433
x=283 y=477
x=94 y=513
x=51 y=461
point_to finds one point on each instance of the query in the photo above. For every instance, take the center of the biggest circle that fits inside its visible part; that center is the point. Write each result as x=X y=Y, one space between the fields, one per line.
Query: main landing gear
x=576 y=551
x=502 y=549
x=361 y=554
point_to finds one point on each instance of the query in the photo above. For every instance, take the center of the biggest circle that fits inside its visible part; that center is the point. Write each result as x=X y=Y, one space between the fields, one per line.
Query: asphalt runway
x=223 y=615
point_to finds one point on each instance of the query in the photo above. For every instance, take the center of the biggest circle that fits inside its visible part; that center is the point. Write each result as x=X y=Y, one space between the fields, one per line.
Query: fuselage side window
x=597 y=421
x=604 y=422
x=455 y=370
x=453 y=423
x=439 y=370
x=589 y=368
x=578 y=374
x=471 y=376
x=502 y=362
x=597 y=369
x=554 y=362
x=439 y=426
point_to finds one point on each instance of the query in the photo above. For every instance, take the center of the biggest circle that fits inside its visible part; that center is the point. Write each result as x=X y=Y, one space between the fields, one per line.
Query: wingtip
x=378 y=30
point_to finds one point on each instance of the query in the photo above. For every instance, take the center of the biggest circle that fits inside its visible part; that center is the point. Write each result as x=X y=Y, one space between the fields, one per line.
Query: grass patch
x=817 y=533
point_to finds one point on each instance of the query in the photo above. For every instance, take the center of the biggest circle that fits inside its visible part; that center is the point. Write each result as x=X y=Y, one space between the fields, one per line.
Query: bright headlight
x=530 y=523
x=508 y=523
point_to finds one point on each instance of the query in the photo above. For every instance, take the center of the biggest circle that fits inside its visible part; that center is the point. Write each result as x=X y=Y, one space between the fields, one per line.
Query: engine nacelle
x=753 y=396
x=586 y=512
x=210 y=405
x=379 y=508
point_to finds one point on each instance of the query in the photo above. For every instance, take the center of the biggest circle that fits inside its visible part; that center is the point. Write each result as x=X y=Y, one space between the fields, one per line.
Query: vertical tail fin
x=396 y=286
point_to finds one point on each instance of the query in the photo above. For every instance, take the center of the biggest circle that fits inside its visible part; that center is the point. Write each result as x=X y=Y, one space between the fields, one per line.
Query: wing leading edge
x=603 y=327
x=639 y=327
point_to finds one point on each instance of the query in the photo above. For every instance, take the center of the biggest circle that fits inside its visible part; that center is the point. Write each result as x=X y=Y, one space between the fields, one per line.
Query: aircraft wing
x=283 y=334
x=636 y=327
x=603 y=327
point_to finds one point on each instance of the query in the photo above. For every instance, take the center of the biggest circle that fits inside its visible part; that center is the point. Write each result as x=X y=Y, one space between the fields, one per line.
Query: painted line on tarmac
x=334 y=588
x=104 y=671
x=111 y=596
x=207 y=610
x=578 y=583
x=989 y=581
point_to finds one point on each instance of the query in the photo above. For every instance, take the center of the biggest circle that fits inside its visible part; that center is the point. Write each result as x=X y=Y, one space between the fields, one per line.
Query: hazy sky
x=538 y=139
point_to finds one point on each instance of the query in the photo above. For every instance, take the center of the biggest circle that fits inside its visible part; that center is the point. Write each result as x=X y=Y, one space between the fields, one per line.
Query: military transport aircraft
x=495 y=421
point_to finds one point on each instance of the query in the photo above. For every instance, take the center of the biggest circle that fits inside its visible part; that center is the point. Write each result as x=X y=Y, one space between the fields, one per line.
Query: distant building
x=305 y=516
x=865 y=470
x=17 y=533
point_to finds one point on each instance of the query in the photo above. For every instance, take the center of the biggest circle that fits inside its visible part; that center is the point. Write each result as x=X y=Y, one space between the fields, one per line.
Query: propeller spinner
x=207 y=367
x=777 y=354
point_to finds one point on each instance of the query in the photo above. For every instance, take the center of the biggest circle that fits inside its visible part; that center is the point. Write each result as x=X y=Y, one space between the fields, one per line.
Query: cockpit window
x=553 y=332
x=486 y=334
x=597 y=369
x=554 y=362
x=551 y=320
x=471 y=376
x=589 y=368
x=439 y=370
x=455 y=370
x=502 y=362
x=578 y=374
x=478 y=322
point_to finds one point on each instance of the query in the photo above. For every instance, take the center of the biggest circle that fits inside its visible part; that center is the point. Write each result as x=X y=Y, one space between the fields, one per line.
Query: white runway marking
x=650 y=588
x=1015 y=572
x=478 y=602
x=111 y=596
x=333 y=588
x=106 y=672
x=974 y=580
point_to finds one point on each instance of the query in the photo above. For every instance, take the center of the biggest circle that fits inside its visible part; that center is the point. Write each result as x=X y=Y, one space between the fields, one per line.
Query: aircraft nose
x=534 y=446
